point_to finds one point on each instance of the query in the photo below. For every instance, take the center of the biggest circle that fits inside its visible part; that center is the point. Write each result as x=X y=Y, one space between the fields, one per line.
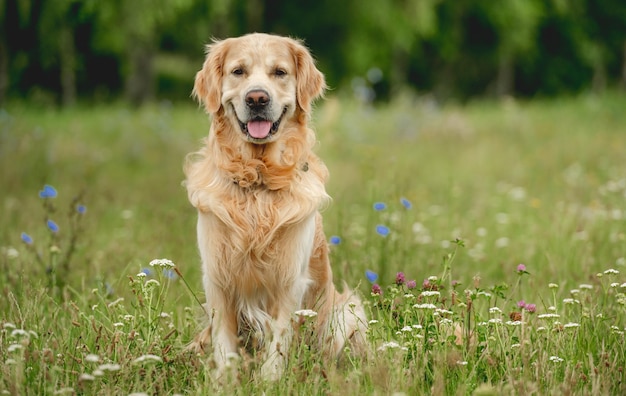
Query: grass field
x=509 y=217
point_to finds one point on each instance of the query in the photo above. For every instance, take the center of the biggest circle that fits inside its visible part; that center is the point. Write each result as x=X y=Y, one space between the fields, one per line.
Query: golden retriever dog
x=258 y=188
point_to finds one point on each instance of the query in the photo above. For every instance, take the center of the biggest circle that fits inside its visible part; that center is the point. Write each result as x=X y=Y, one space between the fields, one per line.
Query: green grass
x=491 y=185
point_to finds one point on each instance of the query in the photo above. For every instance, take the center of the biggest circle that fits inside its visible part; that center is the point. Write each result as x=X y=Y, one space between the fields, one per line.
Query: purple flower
x=378 y=206
x=530 y=308
x=27 y=239
x=400 y=278
x=335 y=240
x=411 y=284
x=53 y=226
x=371 y=276
x=521 y=269
x=521 y=303
x=81 y=209
x=48 y=192
x=376 y=289
x=406 y=203
x=382 y=230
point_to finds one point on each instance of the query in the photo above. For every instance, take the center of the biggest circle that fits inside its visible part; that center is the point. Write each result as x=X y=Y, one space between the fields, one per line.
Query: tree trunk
x=140 y=78
x=505 y=77
x=67 y=52
x=623 y=82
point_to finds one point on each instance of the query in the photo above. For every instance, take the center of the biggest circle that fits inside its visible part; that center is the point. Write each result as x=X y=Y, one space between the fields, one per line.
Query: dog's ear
x=310 y=81
x=207 y=88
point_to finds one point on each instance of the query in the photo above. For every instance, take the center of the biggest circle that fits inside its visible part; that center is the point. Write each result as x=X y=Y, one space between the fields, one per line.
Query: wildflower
x=27 y=239
x=141 y=275
x=378 y=206
x=514 y=322
x=82 y=209
x=373 y=321
x=406 y=203
x=531 y=308
x=521 y=303
x=86 y=377
x=400 y=278
x=116 y=302
x=411 y=284
x=495 y=321
x=14 y=347
x=495 y=310
x=502 y=242
x=371 y=276
x=92 y=358
x=109 y=367
x=162 y=263
x=521 y=269
x=382 y=230
x=549 y=315
x=570 y=301
x=553 y=286
x=430 y=293
x=614 y=285
x=169 y=274
x=308 y=313
x=556 y=359
x=425 y=306
x=407 y=329
x=145 y=272
x=376 y=289
x=585 y=286
x=390 y=345
x=148 y=358
x=461 y=362
x=48 y=192
x=611 y=271
x=513 y=346
x=571 y=325
x=335 y=240
x=53 y=226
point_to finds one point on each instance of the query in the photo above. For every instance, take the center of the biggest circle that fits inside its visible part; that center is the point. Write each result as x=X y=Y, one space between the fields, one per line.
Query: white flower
x=553 y=286
x=98 y=373
x=571 y=325
x=514 y=323
x=570 y=301
x=373 y=321
x=555 y=359
x=430 y=293
x=166 y=263
x=14 y=347
x=92 y=358
x=416 y=326
x=585 y=286
x=116 y=302
x=432 y=278
x=574 y=291
x=147 y=358
x=614 y=285
x=9 y=325
x=308 y=313
x=611 y=271
x=141 y=275
x=541 y=328
x=484 y=293
x=19 y=332
x=461 y=362
x=109 y=367
x=152 y=282
x=118 y=324
x=425 y=306
x=494 y=310
x=515 y=346
x=86 y=377
x=495 y=321
x=548 y=315
x=407 y=328
x=623 y=285
x=446 y=321
x=390 y=345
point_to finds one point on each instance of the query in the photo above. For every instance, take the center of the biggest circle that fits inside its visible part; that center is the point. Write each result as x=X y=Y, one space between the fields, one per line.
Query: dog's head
x=258 y=81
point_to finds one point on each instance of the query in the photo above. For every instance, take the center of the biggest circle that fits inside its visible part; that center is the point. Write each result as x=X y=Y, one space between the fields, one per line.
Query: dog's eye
x=278 y=72
x=238 y=71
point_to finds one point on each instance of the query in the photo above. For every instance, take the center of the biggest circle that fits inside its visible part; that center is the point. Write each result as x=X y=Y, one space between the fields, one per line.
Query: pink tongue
x=259 y=129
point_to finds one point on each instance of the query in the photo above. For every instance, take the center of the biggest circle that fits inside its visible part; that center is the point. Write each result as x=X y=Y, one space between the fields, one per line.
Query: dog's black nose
x=257 y=99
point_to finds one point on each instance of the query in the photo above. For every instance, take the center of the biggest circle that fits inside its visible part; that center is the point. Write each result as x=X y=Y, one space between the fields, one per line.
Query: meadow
x=506 y=219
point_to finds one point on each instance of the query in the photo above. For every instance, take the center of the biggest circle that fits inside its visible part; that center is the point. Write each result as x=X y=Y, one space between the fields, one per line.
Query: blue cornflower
x=27 y=239
x=48 y=192
x=378 y=206
x=82 y=209
x=170 y=274
x=382 y=230
x=146 y=271
x=371 y=276
x=53 y=226
x=406 y=203
x=335 y=240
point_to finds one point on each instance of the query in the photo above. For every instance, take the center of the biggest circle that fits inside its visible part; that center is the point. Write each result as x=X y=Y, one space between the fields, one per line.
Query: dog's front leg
x=278 y=346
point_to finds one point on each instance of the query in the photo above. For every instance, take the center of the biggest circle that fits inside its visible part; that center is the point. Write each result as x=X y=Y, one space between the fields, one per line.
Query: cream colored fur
x=264 y=253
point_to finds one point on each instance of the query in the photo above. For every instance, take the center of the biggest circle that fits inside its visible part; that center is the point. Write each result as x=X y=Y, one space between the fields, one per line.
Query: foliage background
x=56 y=52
